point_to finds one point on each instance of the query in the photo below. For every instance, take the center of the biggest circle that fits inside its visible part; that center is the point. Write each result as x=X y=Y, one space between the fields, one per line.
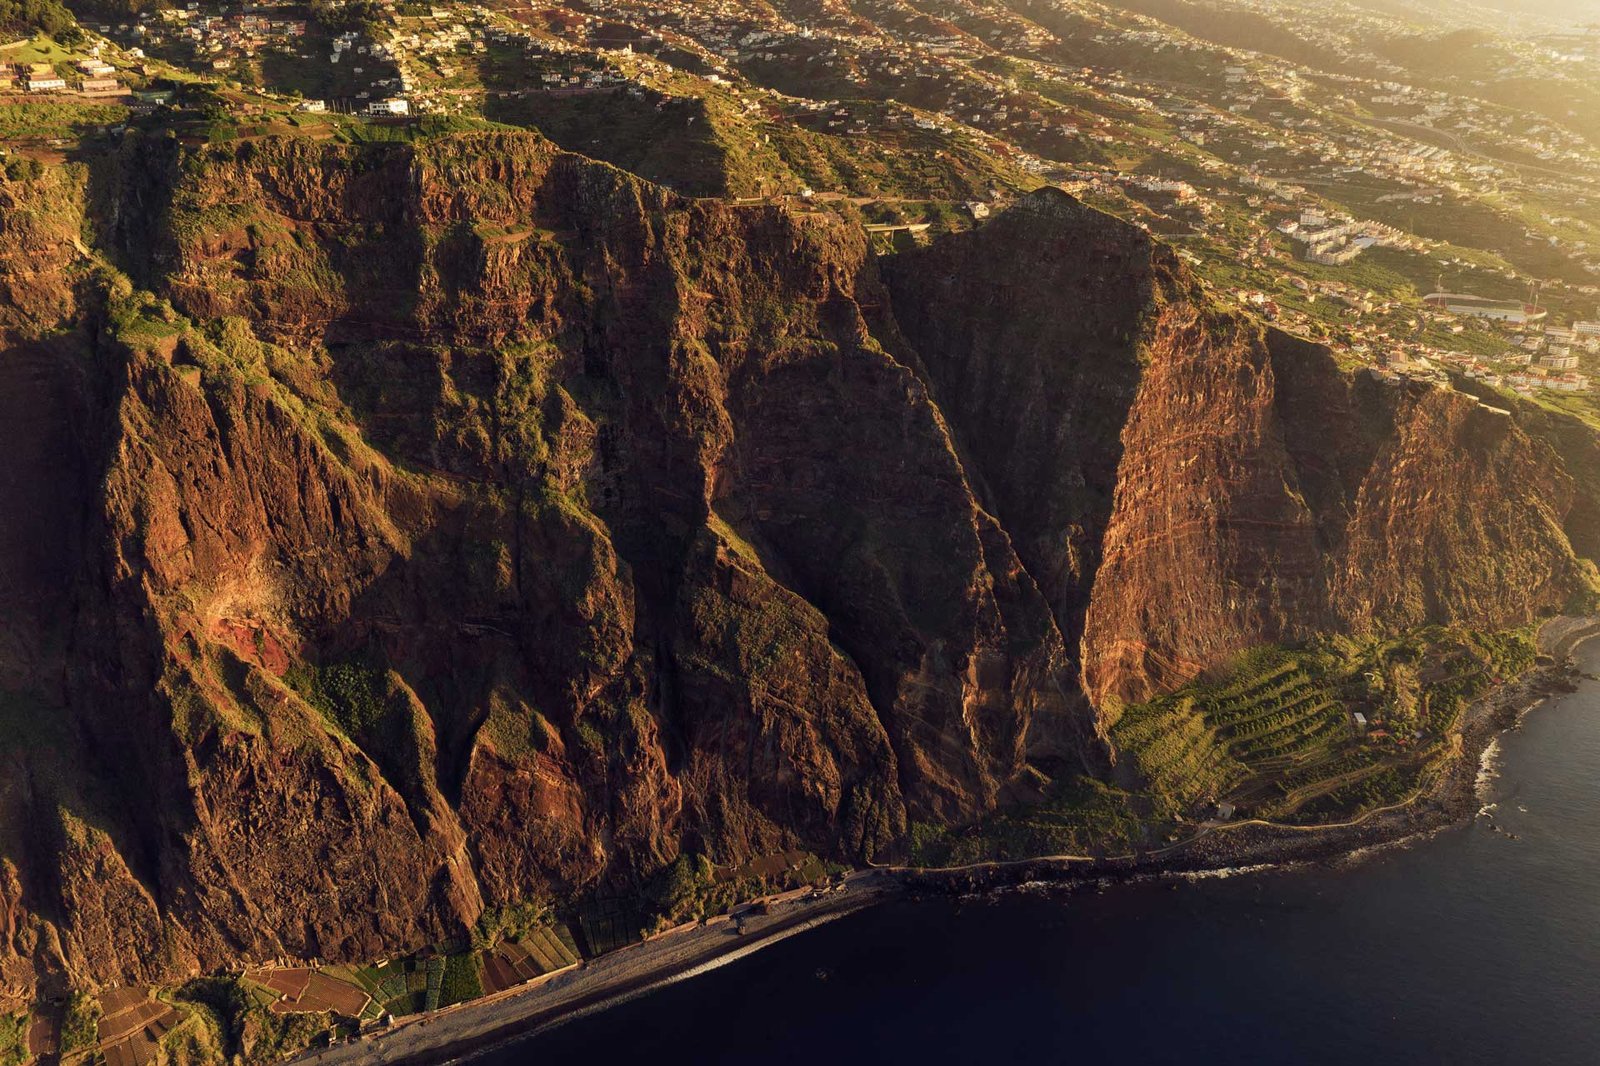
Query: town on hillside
x=1419 y=216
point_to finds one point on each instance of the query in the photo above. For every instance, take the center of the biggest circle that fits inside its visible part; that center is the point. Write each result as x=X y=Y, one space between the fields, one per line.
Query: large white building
x=1512 y=312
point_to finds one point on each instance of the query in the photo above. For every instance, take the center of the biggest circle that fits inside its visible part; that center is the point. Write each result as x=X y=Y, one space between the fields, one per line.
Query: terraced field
x=399 y=987
x=1081 y=816
x=543 y=951
x=1276 y=736
x=1179 y=754
x=611 y=923
x=1275 y=719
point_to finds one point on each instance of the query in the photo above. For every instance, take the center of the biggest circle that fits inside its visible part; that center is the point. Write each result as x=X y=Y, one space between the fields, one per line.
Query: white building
x=1511 y=312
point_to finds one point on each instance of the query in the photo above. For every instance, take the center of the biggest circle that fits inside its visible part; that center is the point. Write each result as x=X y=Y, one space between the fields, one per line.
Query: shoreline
x=469 y=1029
x=1450 y=799
x=465 y=1030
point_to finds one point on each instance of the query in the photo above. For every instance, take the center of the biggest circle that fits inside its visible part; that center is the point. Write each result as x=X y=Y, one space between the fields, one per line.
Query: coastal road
x=454 y=1032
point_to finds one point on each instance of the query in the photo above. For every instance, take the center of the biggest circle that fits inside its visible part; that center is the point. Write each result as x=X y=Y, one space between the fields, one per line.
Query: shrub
x=80 y=1027
x=23 y=169
x=350 y=694
x=512 y=922
x=13 y=1039
x=48 y=16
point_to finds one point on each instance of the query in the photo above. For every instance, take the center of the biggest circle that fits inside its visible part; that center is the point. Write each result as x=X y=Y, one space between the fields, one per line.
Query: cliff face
x=469 y=523
x=1185 y=484
x=1579 y=448
x=433 y=527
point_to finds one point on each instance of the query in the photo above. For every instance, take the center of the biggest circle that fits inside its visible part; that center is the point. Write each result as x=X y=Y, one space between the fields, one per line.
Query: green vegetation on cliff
x=13 y=1039
x=80 y=1024
x=1275 y=734
x=1272 y=735
x=351 y=694
x=692 y=888
x=240 y=1024
x=1082 y=816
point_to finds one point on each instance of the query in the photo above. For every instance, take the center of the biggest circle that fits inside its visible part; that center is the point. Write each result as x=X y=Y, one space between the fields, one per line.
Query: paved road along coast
x=458 y=1031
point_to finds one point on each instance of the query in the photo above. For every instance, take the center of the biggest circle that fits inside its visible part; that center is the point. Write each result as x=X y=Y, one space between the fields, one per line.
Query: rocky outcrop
x=447 y=525
x=1578 y=446
x=1186 y=484
x=1458 y=518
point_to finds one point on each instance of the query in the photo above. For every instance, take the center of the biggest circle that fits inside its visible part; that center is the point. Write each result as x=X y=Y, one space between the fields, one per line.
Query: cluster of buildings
x=1547 y=357
x=1527 y=380
x=221 y=40
x=37 y=78
x=925 y=66
x=214 y=39
x=91 y=76
x=439 y=57
x=1335 y=240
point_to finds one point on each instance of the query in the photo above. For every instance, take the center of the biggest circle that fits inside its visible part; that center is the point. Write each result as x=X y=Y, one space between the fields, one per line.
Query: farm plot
x=1285 y=724
x=302 y=990
x=1178 y=753
x=132 y=1025
x=608 y=924
x=1274 y=736
x=416 y=984
x=543 y=951
x=44 y=1035
x=1275 y=715
x=389 y=986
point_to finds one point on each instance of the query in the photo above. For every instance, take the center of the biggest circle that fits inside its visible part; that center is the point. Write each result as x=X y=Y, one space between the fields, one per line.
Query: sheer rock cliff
x=398 y=532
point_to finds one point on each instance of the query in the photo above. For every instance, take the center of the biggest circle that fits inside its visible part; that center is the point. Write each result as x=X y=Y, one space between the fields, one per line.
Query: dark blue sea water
x=1471 y=947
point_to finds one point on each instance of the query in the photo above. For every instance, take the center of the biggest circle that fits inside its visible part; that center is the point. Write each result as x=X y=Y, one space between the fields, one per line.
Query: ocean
x=1480 y=944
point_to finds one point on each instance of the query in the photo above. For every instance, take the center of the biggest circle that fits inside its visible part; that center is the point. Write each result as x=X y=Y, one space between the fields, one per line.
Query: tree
x=46 y=16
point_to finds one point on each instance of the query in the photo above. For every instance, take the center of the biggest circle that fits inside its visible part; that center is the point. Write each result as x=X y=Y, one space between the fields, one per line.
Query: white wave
x=1227 y=871
x=1488 y=766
